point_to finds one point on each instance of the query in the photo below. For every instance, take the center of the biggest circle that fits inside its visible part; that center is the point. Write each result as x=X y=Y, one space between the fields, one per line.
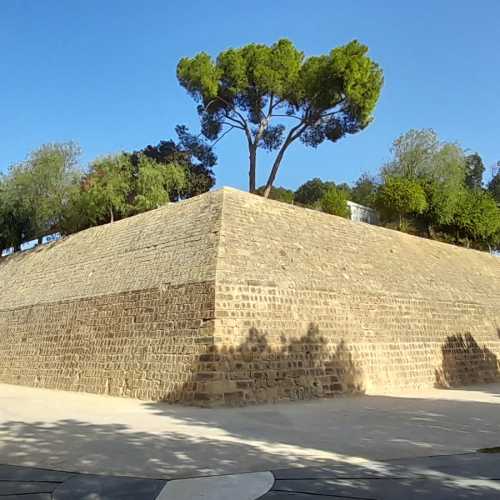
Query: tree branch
x=324 y=115
x=233 y=119
x=242 y=118
x=277 y=103
x=270 y=106
x=291 y=116
x=222 y=135
x=232 y=125
x=293 y=134
x=226 y=111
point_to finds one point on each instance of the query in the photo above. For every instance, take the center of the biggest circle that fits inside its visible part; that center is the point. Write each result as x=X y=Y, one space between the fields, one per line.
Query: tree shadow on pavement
x=117 y=449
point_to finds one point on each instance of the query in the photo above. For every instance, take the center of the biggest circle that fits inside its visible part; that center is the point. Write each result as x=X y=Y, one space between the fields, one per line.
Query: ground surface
x=349 y=444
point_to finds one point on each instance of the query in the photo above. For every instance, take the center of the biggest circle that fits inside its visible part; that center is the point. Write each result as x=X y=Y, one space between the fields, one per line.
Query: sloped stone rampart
x=229 y=298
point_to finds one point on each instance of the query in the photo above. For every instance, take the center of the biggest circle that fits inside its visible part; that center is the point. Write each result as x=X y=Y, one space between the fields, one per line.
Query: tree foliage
x=474 y=170
x=35 y=193
x=364 y=191
x=257 y=88
x=191 y=153
x=478 y=217
x=278 y=193
x=50 y=192
x=334 y=201
x=107 y=187
x=458 y=208
x=310 y=193
x=400 y=196
x=117 y=186
x=413 y=154
x=438 y=167
x=494 y=188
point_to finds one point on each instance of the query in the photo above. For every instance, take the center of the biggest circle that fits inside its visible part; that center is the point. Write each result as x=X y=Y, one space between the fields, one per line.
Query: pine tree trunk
x=253 y=167
x=274 y=170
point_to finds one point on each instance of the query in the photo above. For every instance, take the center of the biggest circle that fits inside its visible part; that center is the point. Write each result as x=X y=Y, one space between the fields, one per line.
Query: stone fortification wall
x=123 y=309
x=309 y=304
x=229 y=298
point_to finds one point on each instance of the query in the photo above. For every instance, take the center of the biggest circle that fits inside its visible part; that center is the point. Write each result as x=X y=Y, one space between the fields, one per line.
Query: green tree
x=474 y=170
x=494 y=187
x=444 y=183
x=399 y=197
x=256 y=87
x=310 y=193
x=478 y=217
x=8 y=231
x=12 y=227
x=437 y=166
x=191 y=153
x=334 y=202
x=364 y=191
x=35 y=193
x=121 y=185
x=278 y=193
x=107 y=188
x=413 y=154
x=157 y=184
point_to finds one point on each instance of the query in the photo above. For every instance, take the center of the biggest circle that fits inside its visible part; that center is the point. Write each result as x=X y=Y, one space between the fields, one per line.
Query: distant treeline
x=429 y=188
x=51 y=192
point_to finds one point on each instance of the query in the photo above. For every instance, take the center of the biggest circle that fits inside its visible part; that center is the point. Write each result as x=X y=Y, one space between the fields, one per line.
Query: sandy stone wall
x=228 y=298
x=141 y=344
x=309 y=304
x=122 y=309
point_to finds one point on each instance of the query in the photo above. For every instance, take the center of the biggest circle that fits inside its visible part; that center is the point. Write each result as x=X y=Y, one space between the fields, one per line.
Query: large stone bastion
x=229 y=298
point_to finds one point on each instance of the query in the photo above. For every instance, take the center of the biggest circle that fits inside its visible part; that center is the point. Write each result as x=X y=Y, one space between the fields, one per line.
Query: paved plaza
x=61 y=445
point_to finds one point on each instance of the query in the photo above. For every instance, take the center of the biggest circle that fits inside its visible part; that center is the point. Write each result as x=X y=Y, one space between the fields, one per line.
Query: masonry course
x=228 y=298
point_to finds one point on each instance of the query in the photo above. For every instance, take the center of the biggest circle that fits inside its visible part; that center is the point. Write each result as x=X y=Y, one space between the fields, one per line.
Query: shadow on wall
x=466 y=362
x=259 y=371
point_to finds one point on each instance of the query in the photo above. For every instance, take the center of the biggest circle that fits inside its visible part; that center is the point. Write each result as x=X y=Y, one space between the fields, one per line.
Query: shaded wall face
x=140 y=344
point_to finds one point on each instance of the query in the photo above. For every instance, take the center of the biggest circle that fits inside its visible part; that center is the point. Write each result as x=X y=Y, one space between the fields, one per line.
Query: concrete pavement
x=362 y=447
x=100 y=434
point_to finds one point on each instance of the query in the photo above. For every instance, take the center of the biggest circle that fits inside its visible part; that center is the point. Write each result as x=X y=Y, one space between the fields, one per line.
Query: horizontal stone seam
x=98 y=297
x=488 y=305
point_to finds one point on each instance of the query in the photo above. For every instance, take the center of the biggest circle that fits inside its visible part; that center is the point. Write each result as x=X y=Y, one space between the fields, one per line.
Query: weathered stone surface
x=229 y=298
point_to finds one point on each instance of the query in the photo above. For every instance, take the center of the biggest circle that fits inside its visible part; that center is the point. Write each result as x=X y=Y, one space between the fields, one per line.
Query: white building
x=361 y=213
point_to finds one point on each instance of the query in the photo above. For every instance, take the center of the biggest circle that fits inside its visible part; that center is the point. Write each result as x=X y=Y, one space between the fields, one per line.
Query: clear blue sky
x=102 y=73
